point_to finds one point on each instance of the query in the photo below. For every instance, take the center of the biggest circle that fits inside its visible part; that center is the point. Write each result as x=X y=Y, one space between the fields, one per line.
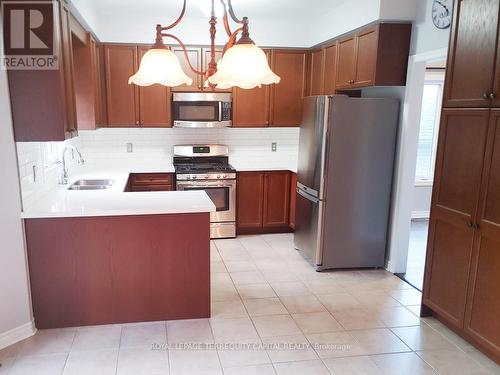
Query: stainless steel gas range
x=206 y=167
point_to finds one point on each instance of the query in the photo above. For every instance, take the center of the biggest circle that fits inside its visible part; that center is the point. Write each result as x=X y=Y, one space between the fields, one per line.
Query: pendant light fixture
x=243 y=64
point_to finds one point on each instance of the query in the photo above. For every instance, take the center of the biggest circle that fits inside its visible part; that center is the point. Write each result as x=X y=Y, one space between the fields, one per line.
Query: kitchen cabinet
x=374 y=56
x=43 y=101
x=99 y=81
x=263 y=202
x=251 y=107
x=286 y=97
x=317 y=71
x=471 y=58
x=131 y=105
x=194 y=55
x=150 y=182
x=330 y=70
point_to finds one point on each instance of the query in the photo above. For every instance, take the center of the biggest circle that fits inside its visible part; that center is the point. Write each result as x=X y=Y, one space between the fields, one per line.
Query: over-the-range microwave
x=201 y=110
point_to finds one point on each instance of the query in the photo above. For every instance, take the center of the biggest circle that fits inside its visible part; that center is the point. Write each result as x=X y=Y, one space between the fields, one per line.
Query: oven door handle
x=204 y=184
x=220 y=111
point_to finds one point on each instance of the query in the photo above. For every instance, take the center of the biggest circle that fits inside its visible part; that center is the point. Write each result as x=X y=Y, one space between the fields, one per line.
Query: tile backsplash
x=249 y=147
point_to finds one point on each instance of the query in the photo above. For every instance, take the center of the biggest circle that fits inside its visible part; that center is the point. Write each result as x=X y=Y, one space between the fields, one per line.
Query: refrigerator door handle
x=307 y=196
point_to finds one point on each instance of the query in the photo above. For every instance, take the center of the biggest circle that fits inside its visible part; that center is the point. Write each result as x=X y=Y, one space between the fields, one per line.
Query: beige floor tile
x=265 y=306
x=223 y=292
x=234 y=254
x=97 y=337
x=262 y=290
x=239 y=266
x=48 y=341
x=422 y=338
x=7 y=364
x=302 y=304
x=94 y=362
x=408 y=296
x=339 y=301
x=325 y=285
x=447 y=333
x=250 y=370
x=353 y=366
x=483 y=360
x=317 y=322
x=41 y=364
x=278 y=276
x=392 y=364
x=397 y=317
x=195 y=361
x=11 y=351
x=374 y=299
x=230 y=330
x=189 y=331
x=315 y=367
x=244 y=353
x=221 y=278
x=414 y=309
x=358 y=319
x=289 y=349
x=379 y=341
x=335 y=345
x=228 y=309
x=217 y=267
x=144 y=335
x=142 y=361
x=275 y=325
x=290 y=288
x=247 y=277
x=452 y=362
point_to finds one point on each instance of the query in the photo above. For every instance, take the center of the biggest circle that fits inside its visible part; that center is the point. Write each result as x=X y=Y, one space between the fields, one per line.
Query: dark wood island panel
x=119 y=269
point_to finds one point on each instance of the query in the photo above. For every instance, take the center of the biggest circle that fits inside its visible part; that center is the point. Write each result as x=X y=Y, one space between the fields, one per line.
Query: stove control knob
x=194 y=177
x=224 y=175
x=218 y=176
x=188 y=177
x=207 y=177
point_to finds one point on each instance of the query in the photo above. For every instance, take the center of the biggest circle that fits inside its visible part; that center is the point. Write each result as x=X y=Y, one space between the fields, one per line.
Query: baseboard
x=420 y=214
x=17 y=334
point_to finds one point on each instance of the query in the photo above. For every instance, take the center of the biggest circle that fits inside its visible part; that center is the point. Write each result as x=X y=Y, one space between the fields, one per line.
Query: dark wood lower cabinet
x=263 y=202
x=150 y=182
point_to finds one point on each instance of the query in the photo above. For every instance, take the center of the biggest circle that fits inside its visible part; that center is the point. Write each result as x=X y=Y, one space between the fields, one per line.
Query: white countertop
x=113 y=201
x=248 y=166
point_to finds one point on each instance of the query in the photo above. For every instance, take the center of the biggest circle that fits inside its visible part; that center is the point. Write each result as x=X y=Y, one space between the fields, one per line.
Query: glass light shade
x=162 y=66
x=244 y=66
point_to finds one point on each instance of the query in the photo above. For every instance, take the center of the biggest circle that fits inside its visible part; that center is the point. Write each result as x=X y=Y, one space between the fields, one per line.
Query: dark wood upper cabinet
x=276 y=200
x=194 y=55
x=122 y=98
x=154 y=102
x=330 y=70
x=457 y=183
x=99 y=80
x=316 y=74
x=251 y=107
x=286 y=97
x=483 y=308
x=471 y=58
x=250 y=199
x=42 y=101
x=374 y=56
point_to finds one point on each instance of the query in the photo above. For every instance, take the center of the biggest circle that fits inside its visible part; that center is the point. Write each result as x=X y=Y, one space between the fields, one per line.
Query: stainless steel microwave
x=202 y=110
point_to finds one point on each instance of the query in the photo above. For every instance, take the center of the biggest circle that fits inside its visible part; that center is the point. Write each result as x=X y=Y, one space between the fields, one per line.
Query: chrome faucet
x=63 y=176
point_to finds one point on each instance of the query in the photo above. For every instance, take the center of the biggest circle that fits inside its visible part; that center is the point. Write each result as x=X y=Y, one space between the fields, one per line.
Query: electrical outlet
x=34 y=173
x=274 y=146
x=130 y=147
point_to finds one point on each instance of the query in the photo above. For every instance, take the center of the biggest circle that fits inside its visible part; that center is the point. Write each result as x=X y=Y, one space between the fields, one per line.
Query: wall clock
x=441 y=13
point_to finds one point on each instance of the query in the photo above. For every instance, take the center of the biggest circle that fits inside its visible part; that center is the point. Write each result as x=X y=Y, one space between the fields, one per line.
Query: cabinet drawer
x=151 y=187
x=151 y=179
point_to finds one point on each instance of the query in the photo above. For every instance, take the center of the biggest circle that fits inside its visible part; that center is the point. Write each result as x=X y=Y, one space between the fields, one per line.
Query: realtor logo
x=28 y=35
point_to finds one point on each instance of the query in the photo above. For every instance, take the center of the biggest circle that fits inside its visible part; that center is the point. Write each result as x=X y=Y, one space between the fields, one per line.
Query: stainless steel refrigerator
x=345 y=172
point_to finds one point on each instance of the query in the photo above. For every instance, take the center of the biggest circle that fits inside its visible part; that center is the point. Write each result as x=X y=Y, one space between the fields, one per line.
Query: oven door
x=221 y=192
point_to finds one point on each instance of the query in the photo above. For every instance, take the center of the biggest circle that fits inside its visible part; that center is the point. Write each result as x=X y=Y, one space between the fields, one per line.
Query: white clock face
x=441 y=13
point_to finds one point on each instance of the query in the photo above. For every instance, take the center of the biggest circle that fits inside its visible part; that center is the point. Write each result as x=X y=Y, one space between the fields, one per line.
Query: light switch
x=274 y=146
x=130 y=147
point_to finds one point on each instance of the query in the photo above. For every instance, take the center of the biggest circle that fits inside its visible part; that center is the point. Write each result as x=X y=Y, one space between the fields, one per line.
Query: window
x=429 y=129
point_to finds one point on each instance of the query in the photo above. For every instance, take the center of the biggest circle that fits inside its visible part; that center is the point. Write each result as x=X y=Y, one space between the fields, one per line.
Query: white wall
x=421 y=206
x=425 y=36
x=15 y=310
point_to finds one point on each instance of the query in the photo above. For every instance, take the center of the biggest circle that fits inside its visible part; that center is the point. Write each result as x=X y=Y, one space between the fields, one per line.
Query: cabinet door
x=483 y=308
x=97 y=62
x=366 y=57
x=455 y=199
x=154 y=103
x=317 y=70
x=471 y=56
x=346 y=62
x=194 y=56
x=205 y=61
x=251 y=107
x=122 y=98
x=67 y=55
x=250 y=198
x=330 y=73
x=276 y=199
x=286 y=96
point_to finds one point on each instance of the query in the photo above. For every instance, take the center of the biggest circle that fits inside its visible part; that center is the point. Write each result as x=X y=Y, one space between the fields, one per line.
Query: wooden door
x=346 y=62
x=251 y=107
x=194 y=56
x=276 y=199
x=457 y=182
x=366 y=57
x=316 y=80
x=330 y=71
x=483 y=309
x=286 y=96
x=122 y=98
x=205 y=60
x=250 y=196
x=471 y=57
x=154 y=102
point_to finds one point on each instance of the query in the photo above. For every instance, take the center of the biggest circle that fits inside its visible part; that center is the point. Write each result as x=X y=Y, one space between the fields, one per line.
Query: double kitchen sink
x=94 y=184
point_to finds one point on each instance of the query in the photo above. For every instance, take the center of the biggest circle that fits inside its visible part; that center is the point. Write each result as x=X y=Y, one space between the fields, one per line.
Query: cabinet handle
x=492 y=95
x=470 y=224
x=137 y=122
x=486 y=96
